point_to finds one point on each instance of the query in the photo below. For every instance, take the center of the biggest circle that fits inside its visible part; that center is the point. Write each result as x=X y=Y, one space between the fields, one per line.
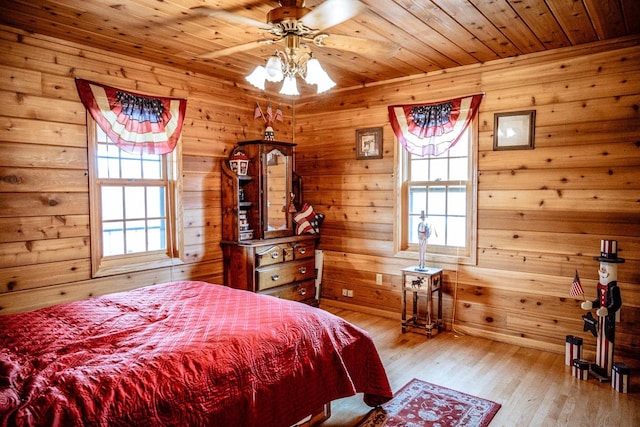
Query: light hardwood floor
x=535 y=388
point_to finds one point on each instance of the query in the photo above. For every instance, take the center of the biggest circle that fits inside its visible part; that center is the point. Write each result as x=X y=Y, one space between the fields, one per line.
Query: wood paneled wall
x=44 y=199
x=541 y=213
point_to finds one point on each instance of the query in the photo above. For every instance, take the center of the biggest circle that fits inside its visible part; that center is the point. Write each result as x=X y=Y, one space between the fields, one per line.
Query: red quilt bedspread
x=181 y=354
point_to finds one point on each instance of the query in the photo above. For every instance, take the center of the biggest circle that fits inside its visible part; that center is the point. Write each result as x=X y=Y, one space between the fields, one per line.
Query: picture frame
x=369 y=143
x=514 y=130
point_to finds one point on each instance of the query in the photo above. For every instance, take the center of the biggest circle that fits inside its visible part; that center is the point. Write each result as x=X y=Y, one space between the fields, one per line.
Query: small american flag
x=576 y=286
x=257 y=112
x=269 y=112
x=279 y=114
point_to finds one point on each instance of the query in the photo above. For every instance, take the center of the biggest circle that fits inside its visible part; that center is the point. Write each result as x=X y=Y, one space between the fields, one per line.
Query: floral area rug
x=421 y=404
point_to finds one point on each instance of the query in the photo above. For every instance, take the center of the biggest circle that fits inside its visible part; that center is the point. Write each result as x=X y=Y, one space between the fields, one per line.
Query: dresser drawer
x=281 y=274
x=272 y=255
x=298 y=291
x=305 y=249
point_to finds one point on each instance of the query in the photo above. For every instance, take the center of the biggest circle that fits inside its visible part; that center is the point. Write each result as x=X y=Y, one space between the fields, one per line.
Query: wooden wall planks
x=541 y=213
x=586 y=99
x=44 y=202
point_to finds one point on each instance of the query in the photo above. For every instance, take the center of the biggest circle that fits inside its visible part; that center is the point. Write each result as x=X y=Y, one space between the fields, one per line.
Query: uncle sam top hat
x=609 y=252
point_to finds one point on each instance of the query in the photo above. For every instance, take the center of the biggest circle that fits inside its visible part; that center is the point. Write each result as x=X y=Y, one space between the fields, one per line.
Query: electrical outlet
x=345 y=293
x=350 y=293
x=378 y=279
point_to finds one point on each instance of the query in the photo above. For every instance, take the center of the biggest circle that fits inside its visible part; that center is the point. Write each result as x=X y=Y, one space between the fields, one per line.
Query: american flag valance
x=432 y=129
x=136 y=123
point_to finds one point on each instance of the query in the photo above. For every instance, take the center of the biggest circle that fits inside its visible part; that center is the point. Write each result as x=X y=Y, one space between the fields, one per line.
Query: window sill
x=436 y=259
x=112 y=267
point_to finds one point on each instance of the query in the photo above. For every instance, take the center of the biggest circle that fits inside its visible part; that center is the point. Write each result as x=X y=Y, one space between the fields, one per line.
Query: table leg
x=404 y=310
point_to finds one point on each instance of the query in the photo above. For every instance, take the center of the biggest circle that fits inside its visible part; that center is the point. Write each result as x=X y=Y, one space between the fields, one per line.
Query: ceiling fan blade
x=367 y=47
x=332 y=12
x=234 y=49
x=230 y=17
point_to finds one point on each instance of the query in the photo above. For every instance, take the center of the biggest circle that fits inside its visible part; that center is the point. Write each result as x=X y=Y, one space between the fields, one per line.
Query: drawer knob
x=275 y=254
x=302 y=291
x=302 y=250
x=302 y=270
x=275 y=277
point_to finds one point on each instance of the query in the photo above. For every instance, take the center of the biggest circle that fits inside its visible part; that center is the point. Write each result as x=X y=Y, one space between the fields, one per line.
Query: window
x=133 y=207
x=444 y=188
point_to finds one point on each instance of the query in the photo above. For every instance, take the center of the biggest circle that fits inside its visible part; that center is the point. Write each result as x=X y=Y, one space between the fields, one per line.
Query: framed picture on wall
x=369 y=143
x=514 y=130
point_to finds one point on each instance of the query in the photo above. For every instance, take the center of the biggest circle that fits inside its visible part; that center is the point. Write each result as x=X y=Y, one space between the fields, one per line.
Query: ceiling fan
x=293 y=22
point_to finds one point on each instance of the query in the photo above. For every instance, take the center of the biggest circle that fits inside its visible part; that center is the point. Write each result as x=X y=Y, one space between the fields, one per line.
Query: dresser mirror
x=277 y=185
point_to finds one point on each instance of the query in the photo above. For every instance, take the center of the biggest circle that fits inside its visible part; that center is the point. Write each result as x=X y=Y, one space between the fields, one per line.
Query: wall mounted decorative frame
x=369 y=143
x=514 y=130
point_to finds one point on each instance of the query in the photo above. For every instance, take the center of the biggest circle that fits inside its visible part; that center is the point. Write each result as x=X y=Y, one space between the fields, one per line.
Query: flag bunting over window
x=135 y=123
x=432 y=129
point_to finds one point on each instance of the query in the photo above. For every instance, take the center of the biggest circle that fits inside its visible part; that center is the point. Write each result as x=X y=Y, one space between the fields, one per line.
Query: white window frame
x=435 y=253
x=102 y=265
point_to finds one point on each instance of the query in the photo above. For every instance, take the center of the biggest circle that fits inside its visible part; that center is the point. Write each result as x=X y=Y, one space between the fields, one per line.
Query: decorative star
x=590 y=323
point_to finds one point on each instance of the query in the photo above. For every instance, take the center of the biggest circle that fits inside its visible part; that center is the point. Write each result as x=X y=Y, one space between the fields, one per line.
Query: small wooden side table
x=422 y=283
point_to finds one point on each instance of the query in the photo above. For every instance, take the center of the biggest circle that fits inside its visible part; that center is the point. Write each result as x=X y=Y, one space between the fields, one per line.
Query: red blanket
x=181 y=354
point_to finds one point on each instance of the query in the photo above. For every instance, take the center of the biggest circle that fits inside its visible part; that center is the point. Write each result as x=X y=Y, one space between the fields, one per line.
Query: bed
x=181 y=354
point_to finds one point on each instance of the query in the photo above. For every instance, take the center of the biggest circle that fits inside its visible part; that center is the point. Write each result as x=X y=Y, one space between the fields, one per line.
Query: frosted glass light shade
x=317 y=76
x=290 y=86
x=314 y=70
x=274 y=69
x=325 y=83
x=257 y=77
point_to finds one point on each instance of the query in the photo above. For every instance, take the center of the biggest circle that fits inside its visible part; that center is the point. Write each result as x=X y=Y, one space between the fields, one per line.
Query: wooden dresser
x=260 y=249
x=282 y=267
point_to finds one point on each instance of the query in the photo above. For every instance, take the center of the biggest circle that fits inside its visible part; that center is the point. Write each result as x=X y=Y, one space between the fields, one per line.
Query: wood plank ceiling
x=432 y=34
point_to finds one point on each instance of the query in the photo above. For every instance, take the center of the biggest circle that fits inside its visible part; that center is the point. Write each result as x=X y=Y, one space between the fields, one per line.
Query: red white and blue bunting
x=135 y=123
x=432 y=129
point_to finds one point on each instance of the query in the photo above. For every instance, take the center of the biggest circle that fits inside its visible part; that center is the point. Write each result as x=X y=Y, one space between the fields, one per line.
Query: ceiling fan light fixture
x=257 y=77
x=290 y=86
x=288 y=65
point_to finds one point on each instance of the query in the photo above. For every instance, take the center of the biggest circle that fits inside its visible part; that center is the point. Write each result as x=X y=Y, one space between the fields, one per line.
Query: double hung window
x=134 y=206
x=443 y=189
